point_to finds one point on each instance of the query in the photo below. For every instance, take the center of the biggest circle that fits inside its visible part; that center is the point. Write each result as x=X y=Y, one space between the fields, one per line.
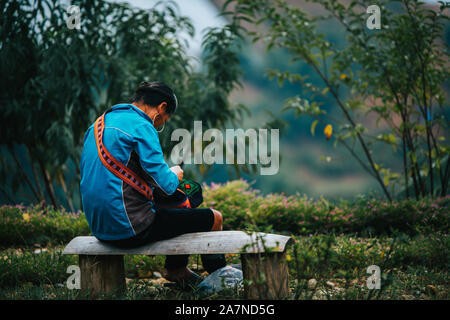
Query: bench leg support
x=102 y=275
x=265 y=275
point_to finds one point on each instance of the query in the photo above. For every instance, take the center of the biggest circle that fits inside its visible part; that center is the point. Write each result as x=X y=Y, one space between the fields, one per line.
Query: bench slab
x=212 y=242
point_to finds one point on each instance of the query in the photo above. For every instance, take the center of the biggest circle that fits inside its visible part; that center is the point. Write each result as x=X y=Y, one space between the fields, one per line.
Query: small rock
x=37 y=245
x=430 y=289
x=157 y=275
x=312 y=283
x=226 y=277
x=331 y=284
x=237 y=266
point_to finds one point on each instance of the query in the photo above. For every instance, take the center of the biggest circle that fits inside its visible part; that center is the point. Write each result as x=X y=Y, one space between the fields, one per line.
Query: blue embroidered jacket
x=113 y=209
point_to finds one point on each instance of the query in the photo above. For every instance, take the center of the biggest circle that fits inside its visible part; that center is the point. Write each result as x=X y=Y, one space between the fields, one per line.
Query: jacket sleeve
x=149 y=150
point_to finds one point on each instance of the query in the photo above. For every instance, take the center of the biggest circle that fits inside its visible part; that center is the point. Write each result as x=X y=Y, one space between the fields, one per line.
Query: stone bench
x=102 y=266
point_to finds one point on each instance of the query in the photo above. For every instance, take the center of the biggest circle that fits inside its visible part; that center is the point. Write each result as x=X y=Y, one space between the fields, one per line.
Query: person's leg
x=170 y=223
x=176 y=264
x=173 y=222
x=213 y=262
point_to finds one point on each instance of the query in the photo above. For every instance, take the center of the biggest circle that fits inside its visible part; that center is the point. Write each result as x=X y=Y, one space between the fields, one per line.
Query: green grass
x=413 y=269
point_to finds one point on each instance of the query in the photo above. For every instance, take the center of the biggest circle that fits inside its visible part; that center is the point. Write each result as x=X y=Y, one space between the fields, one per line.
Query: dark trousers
x=170 y=223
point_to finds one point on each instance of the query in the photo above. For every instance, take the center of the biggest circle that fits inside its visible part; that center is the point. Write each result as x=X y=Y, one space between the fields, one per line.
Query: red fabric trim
x=146 y=190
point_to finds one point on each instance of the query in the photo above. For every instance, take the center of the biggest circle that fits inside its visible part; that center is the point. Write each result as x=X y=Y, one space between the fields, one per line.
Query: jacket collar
x=132 y=107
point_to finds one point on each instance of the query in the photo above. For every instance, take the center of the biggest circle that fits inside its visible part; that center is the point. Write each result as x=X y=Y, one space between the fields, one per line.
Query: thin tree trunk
x=430 y=161
x=406 y=134
x=48 y=184
x=418 y=183
x=36 y=179
x=350 y=120
x=24 y=173
x=405 y=165
x=419 y=52
x=369 y=157
x=438 y=156
x=416 y=169
x=64 y=187
x=409 y=139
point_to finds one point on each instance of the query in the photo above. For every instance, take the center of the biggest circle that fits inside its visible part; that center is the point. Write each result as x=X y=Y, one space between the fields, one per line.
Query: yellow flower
x=26 y=217
x=343 y=76
x=381 y=254
x=288 y=257
x=328 y=131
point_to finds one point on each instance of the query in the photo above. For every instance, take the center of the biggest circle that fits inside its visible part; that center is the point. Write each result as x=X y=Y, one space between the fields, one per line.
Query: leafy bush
x=241 y=205
x=21 y=225
x=244 y=208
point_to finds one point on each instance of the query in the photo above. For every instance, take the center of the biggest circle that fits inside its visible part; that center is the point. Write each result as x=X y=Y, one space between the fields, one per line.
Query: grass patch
x=412 y=269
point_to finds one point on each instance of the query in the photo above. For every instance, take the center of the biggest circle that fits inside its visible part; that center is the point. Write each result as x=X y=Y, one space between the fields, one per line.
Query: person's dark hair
x=155 y=93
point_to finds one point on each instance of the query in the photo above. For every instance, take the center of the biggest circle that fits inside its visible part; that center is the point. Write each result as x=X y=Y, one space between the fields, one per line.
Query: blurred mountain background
x=309 y=164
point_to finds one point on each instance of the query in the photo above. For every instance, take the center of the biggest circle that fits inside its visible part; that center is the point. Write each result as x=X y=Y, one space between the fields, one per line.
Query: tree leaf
x=313 y=126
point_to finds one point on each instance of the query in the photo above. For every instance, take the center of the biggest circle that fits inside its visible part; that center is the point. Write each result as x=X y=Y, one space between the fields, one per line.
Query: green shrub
x=241 y=206
x=21 y=225
x=233 y=199
x=244 y=208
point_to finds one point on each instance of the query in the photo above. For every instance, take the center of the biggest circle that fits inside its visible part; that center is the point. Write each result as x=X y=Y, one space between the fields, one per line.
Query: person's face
x=163 y=115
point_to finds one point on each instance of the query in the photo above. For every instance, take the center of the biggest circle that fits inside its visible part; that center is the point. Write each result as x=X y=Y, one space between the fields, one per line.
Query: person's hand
x=178 y=171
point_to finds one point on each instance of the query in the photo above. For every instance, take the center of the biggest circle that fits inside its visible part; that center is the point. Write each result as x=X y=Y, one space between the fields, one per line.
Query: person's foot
x=179 y=274
x=183 y=278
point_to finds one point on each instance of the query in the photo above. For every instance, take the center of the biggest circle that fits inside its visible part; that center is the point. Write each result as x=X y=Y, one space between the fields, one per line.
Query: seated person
x=123 y=143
